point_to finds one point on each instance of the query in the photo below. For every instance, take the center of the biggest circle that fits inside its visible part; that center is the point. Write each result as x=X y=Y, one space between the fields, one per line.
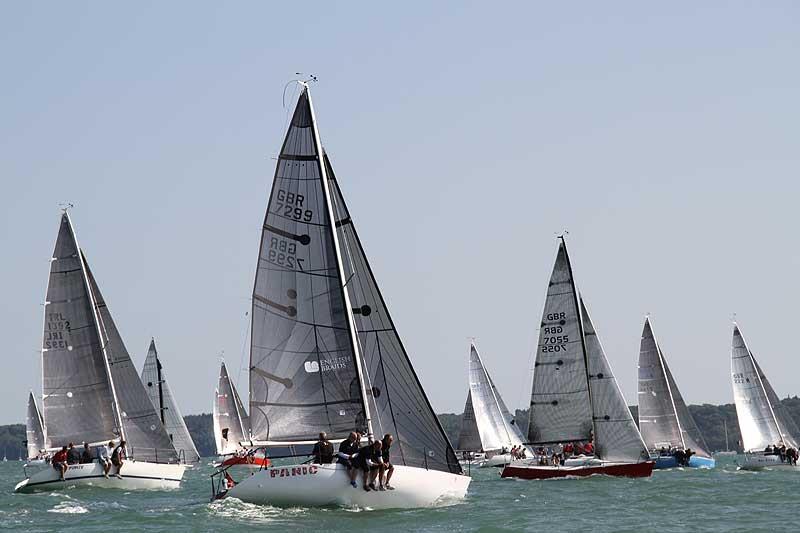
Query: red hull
x=544 y=472
x=249 y=461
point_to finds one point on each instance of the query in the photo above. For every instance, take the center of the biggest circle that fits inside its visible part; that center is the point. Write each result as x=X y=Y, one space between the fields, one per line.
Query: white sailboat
x=155 y=382
x=34 y=433
x=575 y=397
x=488 y=431
x=90 y=389
x=325 y=355
x=665 y=422
x=763 y=419
x=232 y=427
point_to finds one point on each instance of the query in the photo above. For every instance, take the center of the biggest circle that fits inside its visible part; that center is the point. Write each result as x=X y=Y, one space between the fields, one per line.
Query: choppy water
x=722 y=499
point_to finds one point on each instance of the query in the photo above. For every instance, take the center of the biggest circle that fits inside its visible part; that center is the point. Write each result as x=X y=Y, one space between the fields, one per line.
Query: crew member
x=323 y=450
x=348 y=452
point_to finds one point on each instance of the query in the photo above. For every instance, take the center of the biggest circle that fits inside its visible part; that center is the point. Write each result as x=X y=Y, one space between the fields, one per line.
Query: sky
x=465 y=137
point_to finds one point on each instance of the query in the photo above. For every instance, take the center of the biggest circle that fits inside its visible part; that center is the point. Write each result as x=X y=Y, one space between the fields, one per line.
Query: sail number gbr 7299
x=551 y=341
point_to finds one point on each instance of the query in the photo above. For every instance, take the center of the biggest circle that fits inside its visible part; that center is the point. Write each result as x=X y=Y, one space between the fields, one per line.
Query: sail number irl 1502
x=290 y=205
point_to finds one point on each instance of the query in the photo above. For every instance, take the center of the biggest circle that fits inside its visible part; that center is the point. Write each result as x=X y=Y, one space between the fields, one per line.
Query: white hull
x=755 y=461
x=496 y=460
x=328 y=485
x=135 y=475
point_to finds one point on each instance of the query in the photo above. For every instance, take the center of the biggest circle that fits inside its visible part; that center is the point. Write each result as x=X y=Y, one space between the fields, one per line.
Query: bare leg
x=63 y=470
x=366 y=480
x=381 y=473
x=389 y=474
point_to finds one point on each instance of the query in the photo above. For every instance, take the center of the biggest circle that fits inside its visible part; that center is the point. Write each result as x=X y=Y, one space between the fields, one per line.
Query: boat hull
x=498 y=461
x=756 y=461
x=136 y=475
x=533 y=471
x=664 y=462
x=328 y=485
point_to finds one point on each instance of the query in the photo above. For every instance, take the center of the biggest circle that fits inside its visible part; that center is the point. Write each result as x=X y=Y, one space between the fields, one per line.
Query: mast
x=761 y=383
x=725 y=427
x=102 y=338
x=354 y=343
x=669 y=388
x=160 y=380
x=580 y=330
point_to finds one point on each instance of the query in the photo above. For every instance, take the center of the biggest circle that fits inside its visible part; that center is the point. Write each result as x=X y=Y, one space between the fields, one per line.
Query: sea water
x=722 y=499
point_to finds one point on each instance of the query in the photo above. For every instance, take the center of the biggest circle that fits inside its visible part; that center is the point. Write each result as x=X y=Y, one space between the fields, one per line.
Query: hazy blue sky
x=464 y=135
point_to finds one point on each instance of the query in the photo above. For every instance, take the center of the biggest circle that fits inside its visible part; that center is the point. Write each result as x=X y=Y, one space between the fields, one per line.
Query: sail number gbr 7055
x=551 y=341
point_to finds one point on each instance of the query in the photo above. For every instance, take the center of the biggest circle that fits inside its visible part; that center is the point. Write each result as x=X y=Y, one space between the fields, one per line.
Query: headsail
x=230 y=419
x=155 y=382
x=560 y=409
x=469 y=439
x=757 y=421
x=494 y=427
x=303 y=375
x=787 y=425
x=145 y=434
x=398 y=402
x=34 y=429
x=77 y=400
x=616 y=435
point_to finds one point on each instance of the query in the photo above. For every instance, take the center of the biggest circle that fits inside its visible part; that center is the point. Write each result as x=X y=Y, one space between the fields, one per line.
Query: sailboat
x=324 y=352
x=763 y=419
x=664 y=419
x=34 y=433
x=91 y=391
x=727 y=450
x=489 y=429
x=158 y=390
x=575 y=397
x=232 y=427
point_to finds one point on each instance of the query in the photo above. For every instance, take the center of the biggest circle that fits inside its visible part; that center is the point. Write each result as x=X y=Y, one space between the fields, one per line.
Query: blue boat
x=665 y=423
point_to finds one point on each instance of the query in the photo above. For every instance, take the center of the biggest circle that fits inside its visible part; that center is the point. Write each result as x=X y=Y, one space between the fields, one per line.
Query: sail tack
x=34 y=429
x=616 y=435
x=77 y=400
x=155 y=382
x=230 y=419
x=559 y=409
x=664 y=418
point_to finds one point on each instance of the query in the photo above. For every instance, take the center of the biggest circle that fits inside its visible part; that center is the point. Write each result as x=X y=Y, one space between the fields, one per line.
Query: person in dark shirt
x=370 y=460
x=73 y=455
x=86 y=455
x=348 y=452
x=60 y=462
x=118 y=457
x=386 y=468
x=323 y=450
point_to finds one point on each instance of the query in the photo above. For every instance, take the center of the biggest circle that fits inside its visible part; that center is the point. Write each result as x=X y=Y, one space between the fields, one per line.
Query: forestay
x=616 y=435
x=397 y=401
x=493 y=425
x=155 y=382
x=303 y=378
x=757 y=422
x=34 y=429
x=469 y=439
x=146 y=438
x=77 y=399
x=230 y=419
x=560 y=410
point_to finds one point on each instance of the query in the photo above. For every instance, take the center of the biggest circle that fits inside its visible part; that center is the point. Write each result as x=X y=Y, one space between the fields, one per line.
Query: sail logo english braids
x=326 y=365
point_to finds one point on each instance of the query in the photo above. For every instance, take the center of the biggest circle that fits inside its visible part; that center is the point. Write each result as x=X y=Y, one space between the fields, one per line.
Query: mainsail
x=469 y=439
x=318 y=318
x=494 y=425
x=616 y=436
x=230 y=419
x=664 y=418
x=77 y=400
x=757 y=421
x=560 y=408
x=146 y=438
x=34 y=429
x=155 y=382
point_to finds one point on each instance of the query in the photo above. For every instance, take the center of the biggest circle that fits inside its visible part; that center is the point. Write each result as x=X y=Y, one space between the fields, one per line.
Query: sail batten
x=160 y=394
